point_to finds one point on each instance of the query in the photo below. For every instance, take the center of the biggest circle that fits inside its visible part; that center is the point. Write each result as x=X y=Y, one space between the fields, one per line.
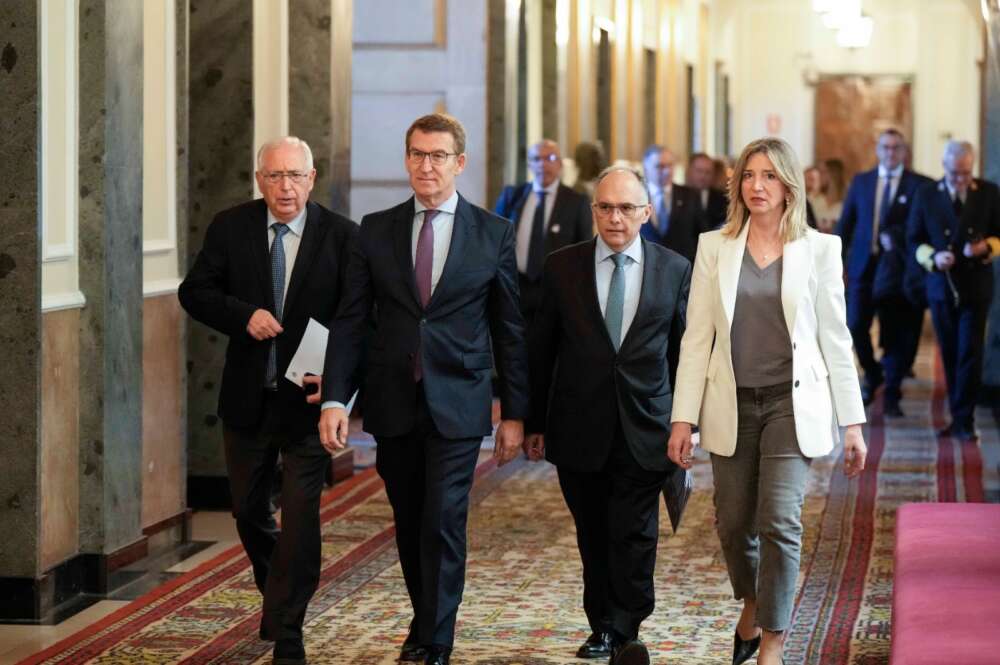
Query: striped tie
x=278 y=290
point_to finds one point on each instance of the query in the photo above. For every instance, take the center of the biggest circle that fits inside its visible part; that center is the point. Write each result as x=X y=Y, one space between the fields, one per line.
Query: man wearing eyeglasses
x=676 y=220
x=954 y=233
x=441 y=275
x=603 y=359
x=266 y=268
x=547 y=216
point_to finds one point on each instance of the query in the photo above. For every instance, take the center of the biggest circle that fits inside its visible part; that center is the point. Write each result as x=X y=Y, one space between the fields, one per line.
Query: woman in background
x=767 y=373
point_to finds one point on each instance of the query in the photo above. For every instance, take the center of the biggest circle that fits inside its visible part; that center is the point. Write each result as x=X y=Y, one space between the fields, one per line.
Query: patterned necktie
x=663 y=212
x=615 y=309
x=423 y=268
x=278 y=291
x=536 y=248
x=883 y=213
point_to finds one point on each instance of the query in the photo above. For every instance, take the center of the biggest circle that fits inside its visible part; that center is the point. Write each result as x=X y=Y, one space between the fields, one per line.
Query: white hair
x=954 y=149
x=286 y=140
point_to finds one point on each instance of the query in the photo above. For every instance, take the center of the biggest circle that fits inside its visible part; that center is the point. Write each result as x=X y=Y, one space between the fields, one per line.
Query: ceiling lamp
x=842 y=13
x=856 y=33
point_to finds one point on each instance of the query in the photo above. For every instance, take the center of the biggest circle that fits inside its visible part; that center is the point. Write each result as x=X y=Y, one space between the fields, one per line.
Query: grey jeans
x=758 y=503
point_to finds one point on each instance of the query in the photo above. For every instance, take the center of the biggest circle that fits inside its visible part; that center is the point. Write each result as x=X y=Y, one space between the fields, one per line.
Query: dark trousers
x=899 y=335
x=960 y=331
x=616 y=511
x=427 y=479
x=531 y=297
x=286 y=562
x=860 y=314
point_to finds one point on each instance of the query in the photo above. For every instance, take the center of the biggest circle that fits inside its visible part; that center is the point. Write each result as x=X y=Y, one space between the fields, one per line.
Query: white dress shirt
x=290 y=241
x=527 y=220
x=444 y=224
x=604 y=267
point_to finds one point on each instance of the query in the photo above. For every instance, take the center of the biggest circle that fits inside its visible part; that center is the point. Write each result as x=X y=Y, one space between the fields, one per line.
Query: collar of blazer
x=794 y=274
x=312 y=235
x=464 y=224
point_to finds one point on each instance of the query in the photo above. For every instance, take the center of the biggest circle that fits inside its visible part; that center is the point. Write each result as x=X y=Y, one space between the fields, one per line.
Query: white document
x=310 y=357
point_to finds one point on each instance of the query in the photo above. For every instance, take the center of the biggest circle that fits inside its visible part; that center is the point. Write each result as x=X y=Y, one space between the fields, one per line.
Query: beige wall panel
x=163 y=472
x=60 y=487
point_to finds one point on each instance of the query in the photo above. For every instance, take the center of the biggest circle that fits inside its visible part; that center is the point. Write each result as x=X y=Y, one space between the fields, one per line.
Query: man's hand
x=944 y=260
x=976 y=249
x=333 y=425
x=855 y=451
x=262 y=325
x=885 y=240
x=680 y=448
x=316 y=396
x=510 y=436
x=534 y=447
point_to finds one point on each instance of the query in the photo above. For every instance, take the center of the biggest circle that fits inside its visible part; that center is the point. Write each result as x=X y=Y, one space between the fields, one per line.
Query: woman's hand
x=680 y=448
x=855 y=451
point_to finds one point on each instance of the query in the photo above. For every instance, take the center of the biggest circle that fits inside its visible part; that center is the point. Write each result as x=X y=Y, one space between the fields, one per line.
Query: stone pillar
x=20 y=309
x=496 y=97
x=991 y=171
x=309 y=99
x=339 y=100
x=220 y=132
x=111 y=53
x=550 y=75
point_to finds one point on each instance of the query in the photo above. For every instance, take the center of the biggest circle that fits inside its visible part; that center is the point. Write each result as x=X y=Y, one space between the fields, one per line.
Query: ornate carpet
x=522 y=599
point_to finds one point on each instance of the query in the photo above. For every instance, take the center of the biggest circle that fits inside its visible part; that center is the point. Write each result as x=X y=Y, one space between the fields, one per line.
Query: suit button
x=796 y=384
x=947 y=232
x=793 y=346
x=423 y=322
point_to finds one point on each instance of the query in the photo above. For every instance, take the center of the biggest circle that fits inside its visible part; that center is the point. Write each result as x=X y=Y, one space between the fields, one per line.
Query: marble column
x=220 y=163
x=110 y=153
x=496 y=96
x=20 y=306
x=309 y=86
x=550 y=75
x=339 y=99
x=991 y=171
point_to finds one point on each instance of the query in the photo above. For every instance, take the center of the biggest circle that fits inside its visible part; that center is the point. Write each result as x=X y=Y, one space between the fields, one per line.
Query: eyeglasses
x=551 y=157
x=438 y=157
x=274 y=177
x=628 y=210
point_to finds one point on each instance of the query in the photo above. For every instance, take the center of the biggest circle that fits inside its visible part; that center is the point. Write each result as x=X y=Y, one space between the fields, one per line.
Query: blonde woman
x=767 y=373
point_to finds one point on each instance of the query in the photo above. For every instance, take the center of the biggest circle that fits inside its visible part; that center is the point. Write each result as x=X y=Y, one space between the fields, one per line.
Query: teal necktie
x=615 y=310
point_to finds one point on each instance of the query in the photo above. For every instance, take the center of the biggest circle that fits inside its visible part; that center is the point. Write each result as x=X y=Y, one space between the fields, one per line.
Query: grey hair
x=286 y=140
x=956 y=149
x=634 y=172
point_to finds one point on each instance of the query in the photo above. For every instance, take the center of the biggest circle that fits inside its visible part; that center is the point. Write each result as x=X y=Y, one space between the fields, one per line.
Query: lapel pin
x=902 y=198
x=554 y=228
x=940 y=186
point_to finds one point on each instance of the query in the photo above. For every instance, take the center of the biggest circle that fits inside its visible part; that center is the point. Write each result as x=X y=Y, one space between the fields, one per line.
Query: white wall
x=767 y=45
x=270 y=74
x=159 y=149
x=58 y=30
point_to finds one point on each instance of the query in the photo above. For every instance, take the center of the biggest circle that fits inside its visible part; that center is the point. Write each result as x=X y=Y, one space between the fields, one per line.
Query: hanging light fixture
x=856 y=33
x=842 y=13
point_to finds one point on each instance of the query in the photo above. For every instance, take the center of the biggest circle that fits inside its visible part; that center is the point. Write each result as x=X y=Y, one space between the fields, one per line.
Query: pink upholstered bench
x=946 y=591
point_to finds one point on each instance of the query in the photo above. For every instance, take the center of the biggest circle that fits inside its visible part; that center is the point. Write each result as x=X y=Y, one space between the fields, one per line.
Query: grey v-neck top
x=762 y=348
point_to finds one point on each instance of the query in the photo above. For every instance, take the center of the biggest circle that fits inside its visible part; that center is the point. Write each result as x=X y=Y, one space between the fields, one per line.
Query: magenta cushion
x=946 y=591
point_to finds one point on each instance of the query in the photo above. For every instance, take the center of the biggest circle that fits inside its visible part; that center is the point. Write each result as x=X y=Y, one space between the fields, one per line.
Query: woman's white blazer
x=825 y=388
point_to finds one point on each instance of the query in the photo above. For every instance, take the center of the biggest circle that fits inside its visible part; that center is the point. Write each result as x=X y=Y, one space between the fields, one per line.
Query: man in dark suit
x=873 y=228
x=603 y=354
x=954 y=233
x=676 y=221
x=553 y=216
x=265 y=269
x=712 y=203
x=441 y=276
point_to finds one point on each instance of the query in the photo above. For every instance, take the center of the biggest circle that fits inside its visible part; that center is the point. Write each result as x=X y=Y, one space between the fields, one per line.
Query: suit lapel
x=312 y=239
x=794 y=279
x=403 y=241
x=523 y=193
x=260 y=251
x=464 y=224
x=591 y=301
x=730 y=261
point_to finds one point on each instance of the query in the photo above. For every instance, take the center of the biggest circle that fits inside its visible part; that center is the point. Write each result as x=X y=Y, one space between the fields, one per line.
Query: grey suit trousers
x=758 y=503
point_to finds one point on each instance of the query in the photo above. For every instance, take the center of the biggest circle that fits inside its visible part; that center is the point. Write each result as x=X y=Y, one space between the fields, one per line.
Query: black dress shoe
x=632 y=652
x=964 y=434
x=289 y=652
x=598 y=645
x=412 y=652
x=744 y=649
x=437 y=656
x=892 y=410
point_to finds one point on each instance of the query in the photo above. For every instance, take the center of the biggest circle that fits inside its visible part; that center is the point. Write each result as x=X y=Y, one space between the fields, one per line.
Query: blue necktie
x=883 y=213
x=536 y=248
x=278 y=290
x=615 y=309
x=663 y=214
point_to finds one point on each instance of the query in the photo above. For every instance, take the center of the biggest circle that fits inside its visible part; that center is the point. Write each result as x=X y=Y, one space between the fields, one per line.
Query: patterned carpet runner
x=523 y=590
